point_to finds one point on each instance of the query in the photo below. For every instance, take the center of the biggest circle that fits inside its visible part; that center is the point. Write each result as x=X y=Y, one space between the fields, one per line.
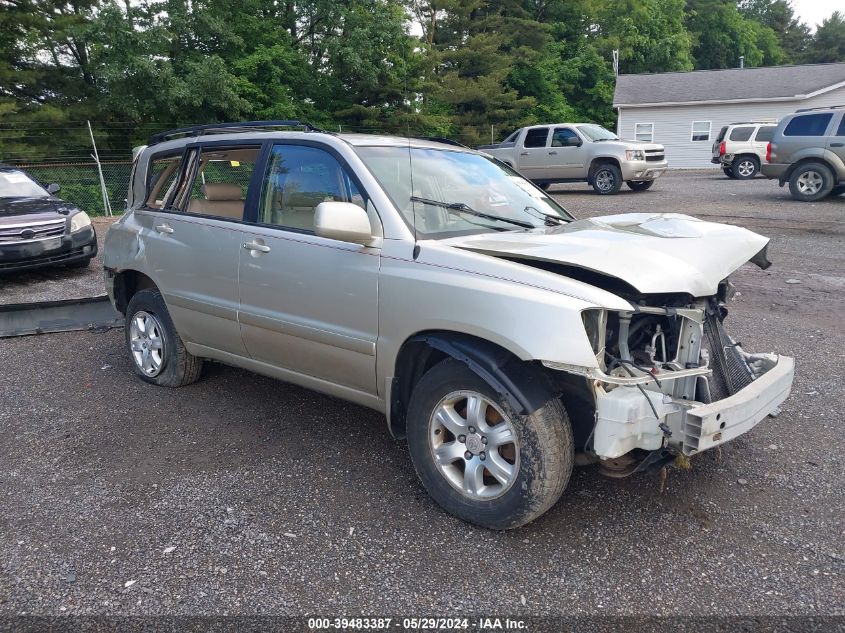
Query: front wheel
x=478 y=458
x=158 y=353
x=639 y=185
x=607 y=179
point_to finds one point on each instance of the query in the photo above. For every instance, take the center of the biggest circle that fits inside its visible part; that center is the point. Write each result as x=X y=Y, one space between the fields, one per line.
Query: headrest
x=221 y=191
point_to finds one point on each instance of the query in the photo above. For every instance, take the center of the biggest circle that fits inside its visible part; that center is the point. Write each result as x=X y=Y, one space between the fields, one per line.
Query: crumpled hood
x=654 y=253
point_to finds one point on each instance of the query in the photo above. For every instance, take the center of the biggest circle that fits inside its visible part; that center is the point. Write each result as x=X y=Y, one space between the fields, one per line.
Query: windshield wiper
x=460 y=207
x=548 y=218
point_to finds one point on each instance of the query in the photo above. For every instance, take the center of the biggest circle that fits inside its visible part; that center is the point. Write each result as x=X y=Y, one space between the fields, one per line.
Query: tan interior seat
x=222 y=199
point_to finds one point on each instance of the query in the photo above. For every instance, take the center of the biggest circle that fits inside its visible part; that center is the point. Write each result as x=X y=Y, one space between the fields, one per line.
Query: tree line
x=455 y=68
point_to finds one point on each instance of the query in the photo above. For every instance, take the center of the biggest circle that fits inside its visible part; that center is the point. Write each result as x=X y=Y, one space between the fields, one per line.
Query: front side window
x=808 y=125
x=536 y=137
x=741 y=134
x=644 y=132
x=298 y=179
x=701 y=131
x=443 y=193
x=564 y=137
x=16 y=184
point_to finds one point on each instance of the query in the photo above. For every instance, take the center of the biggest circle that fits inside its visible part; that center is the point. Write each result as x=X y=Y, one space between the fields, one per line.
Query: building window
x=644 y=132
x=701 y=130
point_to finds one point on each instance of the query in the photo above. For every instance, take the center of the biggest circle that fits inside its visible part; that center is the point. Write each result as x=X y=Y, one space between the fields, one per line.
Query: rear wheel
x=607 y=179
x=746 y=167
x=729 y=172
x=158 y=353
x=639 y=185
x=810 y=182
x=478 y=458
x=545 y=186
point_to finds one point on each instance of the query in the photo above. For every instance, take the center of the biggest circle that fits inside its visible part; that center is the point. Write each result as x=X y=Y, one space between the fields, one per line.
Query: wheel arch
x=526 y=385
x=811 y=159
x=126 y=284
x=597 y=162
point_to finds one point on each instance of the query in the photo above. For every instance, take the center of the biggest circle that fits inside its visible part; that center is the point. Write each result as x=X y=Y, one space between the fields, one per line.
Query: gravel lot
x=242 y=495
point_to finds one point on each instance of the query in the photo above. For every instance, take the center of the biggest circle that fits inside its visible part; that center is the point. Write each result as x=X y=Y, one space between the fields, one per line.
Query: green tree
x=828 y=43
x=778 y=15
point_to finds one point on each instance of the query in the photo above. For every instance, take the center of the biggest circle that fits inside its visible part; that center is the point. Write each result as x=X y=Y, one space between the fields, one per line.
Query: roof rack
x=225 y=128
x=755 y=122
x=833 y=107
x=442 y=139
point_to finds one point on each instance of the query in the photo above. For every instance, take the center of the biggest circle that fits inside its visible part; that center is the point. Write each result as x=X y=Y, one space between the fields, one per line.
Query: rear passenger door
x=836 y=143
x=534 y=153
x=191 y=236
x=308 y=304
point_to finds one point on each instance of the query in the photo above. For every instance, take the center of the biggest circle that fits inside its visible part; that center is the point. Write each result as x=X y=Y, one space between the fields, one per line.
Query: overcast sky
x=814 y=11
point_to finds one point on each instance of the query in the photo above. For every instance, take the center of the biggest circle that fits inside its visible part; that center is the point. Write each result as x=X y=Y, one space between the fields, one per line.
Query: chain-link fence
x=80 y=183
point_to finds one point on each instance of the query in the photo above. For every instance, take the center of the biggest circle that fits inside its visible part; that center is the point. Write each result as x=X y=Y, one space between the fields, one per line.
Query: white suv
x=740 y=148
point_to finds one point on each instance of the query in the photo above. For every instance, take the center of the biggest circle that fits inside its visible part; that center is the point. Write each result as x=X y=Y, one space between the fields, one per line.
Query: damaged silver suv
x=498 y=334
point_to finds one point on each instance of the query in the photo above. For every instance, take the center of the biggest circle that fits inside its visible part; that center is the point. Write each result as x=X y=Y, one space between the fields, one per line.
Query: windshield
x=454 y=192
x=16 y=184
x=597 y=133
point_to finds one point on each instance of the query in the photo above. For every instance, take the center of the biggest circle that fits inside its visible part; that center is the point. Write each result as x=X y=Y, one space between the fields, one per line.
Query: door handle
x=837 y=144
x=164 y=228
x=523 y=154
x=552 y=153
x=255 y=246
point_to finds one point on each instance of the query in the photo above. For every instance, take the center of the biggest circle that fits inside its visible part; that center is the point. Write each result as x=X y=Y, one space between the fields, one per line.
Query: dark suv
x=808 y=152
x=38 y=229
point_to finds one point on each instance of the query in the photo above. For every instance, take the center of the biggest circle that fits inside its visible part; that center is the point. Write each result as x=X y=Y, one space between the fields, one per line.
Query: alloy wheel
x=746 y=168
x=146 y=342
x=604 y=180
x=810 y=183
x=474 y=445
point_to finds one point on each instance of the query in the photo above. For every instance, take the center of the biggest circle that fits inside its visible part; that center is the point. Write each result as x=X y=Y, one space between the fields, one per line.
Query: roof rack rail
x=223 y=128
x=832 y=107
x=442 y=139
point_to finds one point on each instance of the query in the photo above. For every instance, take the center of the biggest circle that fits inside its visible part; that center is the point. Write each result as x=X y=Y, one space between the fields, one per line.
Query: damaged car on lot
x=38 y=229
x=498 y=334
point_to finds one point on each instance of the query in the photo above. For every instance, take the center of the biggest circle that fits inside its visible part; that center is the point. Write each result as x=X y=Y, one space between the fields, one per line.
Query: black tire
x=542 y=463
x=807 y=173
x=838 y=190
x=729 y=172
x=545 y=186
x=607 y=179
x=177 y=366
x=639 y=185
x=745 y=167
x=82 y=263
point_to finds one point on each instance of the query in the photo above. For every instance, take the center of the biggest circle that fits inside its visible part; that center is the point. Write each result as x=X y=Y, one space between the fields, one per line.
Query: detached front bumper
x=625 y=419
x=56 y=251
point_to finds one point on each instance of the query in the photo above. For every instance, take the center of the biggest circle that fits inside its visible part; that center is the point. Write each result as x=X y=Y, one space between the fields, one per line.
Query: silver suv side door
x=566 y=154
x=308 y=304
x=836 y=142
x=193 y=259
x=534 y=153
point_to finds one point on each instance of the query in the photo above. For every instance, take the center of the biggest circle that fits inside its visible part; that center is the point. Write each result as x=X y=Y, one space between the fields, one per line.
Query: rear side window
x=536 y=137
x=808 y=125
x=220 y=185
x=741 y=133
x=765 y=134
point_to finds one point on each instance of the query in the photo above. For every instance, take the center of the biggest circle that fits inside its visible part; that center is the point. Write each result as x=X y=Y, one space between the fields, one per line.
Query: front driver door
x=566 y=154
x=308 y=304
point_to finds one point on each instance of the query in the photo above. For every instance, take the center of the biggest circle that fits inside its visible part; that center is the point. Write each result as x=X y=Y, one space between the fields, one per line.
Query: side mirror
x=342 y=221
x=53 y=189
x=573 y=141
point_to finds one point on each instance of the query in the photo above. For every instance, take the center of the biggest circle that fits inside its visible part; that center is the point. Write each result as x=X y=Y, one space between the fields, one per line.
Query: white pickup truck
x=580 y=152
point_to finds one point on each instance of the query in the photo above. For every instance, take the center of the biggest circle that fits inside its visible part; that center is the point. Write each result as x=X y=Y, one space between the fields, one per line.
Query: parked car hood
x=653 y=253
x=14 y=210
x=643 y=145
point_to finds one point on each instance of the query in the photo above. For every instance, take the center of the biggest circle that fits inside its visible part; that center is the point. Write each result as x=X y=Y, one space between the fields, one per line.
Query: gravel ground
x=243 y=495
x=60 y=282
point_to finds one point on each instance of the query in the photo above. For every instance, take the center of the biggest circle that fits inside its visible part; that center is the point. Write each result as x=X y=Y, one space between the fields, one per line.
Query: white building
x=685 y=111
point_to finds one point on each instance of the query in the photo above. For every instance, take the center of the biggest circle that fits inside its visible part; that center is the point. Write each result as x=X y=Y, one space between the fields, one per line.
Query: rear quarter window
x=722 y=133
x=741 y=133
x=808 y=125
